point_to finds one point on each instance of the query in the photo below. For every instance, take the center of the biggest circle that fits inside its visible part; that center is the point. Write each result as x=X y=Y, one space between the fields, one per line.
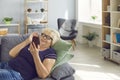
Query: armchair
x=67 y=29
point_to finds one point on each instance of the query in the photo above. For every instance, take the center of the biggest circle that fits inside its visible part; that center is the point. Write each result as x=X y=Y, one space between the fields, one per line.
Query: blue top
x=24 y=63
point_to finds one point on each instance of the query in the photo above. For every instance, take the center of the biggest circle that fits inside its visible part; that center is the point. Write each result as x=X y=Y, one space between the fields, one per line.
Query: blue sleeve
x=51 y=54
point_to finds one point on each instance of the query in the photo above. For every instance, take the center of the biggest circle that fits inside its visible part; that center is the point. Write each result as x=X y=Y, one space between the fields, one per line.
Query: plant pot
x=7 y=22
x=90 y=43
x=42 y=9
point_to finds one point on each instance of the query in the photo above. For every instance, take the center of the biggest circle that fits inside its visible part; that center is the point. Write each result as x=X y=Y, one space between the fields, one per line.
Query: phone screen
x=36 y=41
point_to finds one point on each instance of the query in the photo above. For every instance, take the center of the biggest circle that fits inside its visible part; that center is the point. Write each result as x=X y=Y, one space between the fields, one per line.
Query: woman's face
x=45 y=39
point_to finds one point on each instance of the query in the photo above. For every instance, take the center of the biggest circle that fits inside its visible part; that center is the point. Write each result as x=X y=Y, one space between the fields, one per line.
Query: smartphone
x=36 y=40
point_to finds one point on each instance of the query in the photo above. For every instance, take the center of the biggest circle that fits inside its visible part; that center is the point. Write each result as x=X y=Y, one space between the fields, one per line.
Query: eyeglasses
x=46 y=36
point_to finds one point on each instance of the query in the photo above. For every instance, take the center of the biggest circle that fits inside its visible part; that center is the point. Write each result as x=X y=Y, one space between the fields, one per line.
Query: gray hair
x=54 y=34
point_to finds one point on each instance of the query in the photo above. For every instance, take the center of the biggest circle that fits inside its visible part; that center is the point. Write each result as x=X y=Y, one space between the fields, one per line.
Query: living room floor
x=90 y=65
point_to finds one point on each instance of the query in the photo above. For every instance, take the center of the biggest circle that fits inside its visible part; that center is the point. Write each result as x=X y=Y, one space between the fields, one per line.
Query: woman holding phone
x=32 y=58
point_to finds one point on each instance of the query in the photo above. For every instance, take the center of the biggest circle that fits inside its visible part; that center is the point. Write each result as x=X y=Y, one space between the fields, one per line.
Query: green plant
x=90 y=36
x=93 y=17
x=42 y=9
x=7 y=19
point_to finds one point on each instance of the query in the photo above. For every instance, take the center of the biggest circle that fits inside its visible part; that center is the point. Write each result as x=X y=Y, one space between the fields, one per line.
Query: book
x=114 y=38
x=118 y=37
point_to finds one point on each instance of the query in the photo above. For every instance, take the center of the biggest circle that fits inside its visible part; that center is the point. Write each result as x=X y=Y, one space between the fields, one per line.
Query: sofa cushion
x=63 y=71
x=62 y=49
x=7 y=43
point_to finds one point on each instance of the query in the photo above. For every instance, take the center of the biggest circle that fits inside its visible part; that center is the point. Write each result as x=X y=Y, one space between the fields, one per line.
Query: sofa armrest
x=7 y=43
x=62 y=72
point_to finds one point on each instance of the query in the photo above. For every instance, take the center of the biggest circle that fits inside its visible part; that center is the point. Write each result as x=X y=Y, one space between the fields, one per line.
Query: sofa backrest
x=7 y=43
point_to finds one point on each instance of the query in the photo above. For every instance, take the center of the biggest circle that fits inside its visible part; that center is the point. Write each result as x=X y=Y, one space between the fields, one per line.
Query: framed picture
x=118 y=24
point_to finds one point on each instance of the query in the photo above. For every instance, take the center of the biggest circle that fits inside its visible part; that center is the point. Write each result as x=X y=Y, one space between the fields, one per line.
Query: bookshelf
x=110 y=28
x=36 y=14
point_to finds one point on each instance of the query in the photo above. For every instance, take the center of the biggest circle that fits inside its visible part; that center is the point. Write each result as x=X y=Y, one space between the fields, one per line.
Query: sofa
x=62 y=69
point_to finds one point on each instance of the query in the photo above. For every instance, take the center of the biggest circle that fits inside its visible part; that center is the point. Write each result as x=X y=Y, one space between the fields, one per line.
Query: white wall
x=57 y=8
x=60 y=9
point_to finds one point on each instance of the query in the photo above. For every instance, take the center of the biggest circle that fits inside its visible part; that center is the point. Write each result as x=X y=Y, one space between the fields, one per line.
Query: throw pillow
x=62 y=45
x=62 y=49
x=67 y=25
x=65 y=29
x=62 y=71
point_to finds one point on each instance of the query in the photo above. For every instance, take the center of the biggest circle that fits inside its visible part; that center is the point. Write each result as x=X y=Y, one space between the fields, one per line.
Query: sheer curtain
x=88 y=8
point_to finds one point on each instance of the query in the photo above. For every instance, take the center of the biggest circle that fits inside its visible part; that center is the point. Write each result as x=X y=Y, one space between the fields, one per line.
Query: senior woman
x=30 y=61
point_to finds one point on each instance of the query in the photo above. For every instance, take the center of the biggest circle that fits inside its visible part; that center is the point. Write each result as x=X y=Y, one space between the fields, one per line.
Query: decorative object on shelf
x=42 y=9
x=116 y=38
x=29 y=20
x=43 y=22
x=36 y=10
x=107 y=37
x=106 y=52
x=29 y=9
x=7 y=20
x=36 y=21
x=118 y=24
x=118 y=7
x=108 y=8
x=3 y=31
x=90 y=37
x=107 y=20
x=115 y=55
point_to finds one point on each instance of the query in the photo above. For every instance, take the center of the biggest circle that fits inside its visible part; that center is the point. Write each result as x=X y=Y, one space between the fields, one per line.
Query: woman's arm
x=15 y=50
x=43 y=69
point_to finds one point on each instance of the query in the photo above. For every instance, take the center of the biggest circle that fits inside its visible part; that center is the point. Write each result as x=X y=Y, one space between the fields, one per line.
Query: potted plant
x=90 y=37
x=7 y=20
x=42 y=9
x=94 y=17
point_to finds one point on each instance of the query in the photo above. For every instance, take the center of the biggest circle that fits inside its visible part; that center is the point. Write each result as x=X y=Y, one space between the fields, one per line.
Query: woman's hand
x=33 y=49
x=31 y=36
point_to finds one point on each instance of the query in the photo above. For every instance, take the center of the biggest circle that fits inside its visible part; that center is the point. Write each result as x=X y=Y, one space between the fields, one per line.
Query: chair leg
x=73 y=44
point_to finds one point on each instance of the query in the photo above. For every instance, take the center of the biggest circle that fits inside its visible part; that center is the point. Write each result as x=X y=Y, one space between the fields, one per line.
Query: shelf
x=106 y=26
x=106 y=11
x=36 y=1
x=110 y=26
x=106 y=41
x=10 y=34
x=115 y=28
x=34 y=15
x=116 y=44
x=111 y=11
x=36 y=12
x=36 y=24
x=115 y=12
x=9 y=24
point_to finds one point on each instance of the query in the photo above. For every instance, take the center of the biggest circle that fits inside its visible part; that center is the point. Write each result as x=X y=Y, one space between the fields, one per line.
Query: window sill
x=93 y=24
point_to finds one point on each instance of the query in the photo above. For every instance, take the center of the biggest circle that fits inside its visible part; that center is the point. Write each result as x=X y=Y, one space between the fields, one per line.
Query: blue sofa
x=61 y=72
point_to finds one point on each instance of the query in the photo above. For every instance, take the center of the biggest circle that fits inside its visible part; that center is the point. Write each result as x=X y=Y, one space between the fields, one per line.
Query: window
x=88 y=8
